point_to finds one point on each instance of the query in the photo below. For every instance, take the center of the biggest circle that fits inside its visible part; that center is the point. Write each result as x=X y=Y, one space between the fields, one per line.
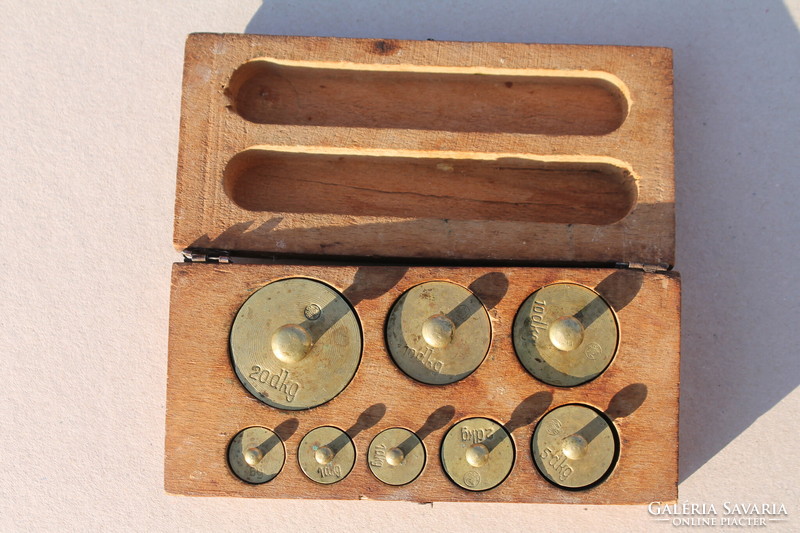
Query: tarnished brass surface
x=256 y=455
x=396 y=456
x=565 y=334
x=477 y=454
x=295 y=343
x=326 y=455
x=574 y=446
x=438 y=332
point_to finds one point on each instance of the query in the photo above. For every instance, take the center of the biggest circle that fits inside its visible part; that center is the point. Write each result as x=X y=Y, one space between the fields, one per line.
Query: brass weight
x=326 y=455
x=396 y=456
x=566 y=334
x=477 y=454
x=438 y=332
x=295 y=343
x=256 y=455
x=574 y=446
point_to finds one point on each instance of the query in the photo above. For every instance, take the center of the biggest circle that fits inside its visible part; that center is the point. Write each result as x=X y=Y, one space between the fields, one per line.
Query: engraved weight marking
x=558 y=463
x=476 y=436
x=593 y=351
x=379 y=456
x=553 y=427
x=472 y=478
x=330 y=470
x=312 y=311
x=424 y=357
x=277 y=380
x=537 y=319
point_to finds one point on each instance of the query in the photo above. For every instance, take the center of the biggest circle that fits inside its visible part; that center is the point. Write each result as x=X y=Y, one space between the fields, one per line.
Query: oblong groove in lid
x=408 y=184
x=456 y=99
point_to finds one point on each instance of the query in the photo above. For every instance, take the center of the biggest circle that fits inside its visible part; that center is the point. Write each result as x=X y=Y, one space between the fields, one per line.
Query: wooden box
x=375 y=165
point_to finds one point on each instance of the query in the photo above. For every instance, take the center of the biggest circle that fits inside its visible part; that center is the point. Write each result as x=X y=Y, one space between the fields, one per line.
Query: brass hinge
x=190 y=256
x=645 y=267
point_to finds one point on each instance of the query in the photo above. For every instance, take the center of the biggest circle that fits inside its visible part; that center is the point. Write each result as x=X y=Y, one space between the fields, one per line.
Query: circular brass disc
x=396 y=456
x=326 y=455
x=565 y=334
x=438 y=332
x=574 y=446
x=256 y=455
x=477 y=454
x=295 y=343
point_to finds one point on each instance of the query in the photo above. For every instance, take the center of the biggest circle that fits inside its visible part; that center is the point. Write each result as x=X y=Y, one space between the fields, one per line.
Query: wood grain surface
x=207 y=405
x=421 y=149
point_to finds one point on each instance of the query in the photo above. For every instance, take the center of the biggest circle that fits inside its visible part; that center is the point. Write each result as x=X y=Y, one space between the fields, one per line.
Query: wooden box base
x=207 y=405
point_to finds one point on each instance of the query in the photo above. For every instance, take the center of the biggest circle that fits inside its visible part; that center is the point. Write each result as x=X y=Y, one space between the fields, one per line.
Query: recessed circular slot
x=565 y=334
x=575 y=446
x=295 y=343
x=438 y=332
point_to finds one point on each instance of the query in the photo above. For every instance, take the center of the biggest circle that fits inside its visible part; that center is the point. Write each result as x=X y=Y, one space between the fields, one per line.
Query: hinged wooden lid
x=422 y=149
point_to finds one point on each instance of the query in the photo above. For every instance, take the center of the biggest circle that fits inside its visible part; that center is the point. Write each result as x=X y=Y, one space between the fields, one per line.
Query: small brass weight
x=477 y=454
x=396 y=456
x=326 y=455
x=566 y=334
x=256 y=455
x=295 y=343
x=574 y=446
